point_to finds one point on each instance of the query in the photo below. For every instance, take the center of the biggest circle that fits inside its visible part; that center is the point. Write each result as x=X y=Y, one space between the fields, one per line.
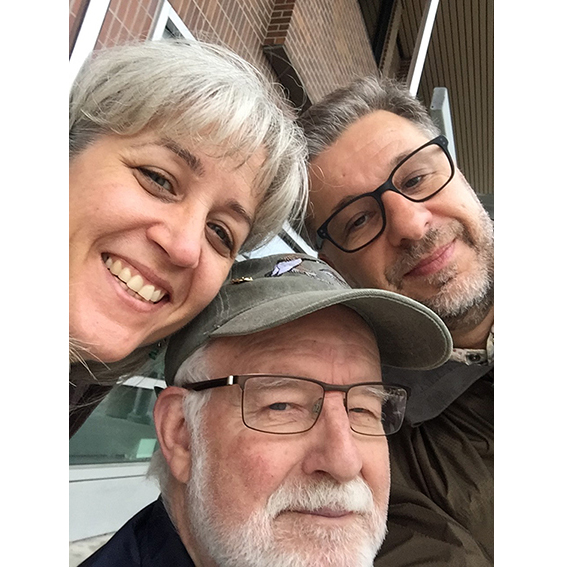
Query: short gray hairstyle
x=206 y=92
x=324 y=122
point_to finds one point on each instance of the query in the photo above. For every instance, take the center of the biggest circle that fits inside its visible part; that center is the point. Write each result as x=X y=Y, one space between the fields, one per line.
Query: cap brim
x=408 y=334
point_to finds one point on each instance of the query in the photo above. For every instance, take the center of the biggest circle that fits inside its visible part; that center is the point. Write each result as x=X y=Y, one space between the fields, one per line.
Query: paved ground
x=80 y=550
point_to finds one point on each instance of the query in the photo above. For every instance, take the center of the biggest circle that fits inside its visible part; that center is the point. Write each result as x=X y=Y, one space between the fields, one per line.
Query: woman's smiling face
x=155 y=225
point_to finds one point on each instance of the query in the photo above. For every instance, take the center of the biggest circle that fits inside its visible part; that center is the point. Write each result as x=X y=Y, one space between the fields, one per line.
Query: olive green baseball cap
x=266 y=292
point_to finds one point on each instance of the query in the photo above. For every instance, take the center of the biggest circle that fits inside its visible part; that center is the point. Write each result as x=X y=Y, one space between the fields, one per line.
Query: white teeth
x=116 y=268
x=156 y=296
x=147 y=291
x=134 y=282
x=125 y=275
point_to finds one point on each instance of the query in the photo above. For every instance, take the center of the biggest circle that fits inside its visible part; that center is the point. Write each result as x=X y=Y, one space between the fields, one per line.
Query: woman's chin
x=84 y=347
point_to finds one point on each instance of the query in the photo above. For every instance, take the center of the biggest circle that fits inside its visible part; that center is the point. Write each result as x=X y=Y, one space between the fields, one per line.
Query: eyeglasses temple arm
x=206 y=384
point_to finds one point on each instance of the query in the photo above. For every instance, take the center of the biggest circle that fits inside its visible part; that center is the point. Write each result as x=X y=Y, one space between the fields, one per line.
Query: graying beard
x=464 y=316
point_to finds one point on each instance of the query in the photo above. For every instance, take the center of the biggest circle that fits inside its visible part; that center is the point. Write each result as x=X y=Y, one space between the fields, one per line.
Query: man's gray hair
x=205 y=92
x=194 y=369
x=324 y=122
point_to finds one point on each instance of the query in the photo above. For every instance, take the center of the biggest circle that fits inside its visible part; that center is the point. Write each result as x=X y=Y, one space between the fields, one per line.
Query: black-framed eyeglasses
x=282 y=404
x=418 y=177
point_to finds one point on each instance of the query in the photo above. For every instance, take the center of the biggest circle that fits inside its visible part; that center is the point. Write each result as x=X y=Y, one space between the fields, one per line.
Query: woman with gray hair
x=182 y=155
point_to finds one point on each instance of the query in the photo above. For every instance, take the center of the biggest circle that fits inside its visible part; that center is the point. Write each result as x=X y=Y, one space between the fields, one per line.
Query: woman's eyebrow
x=190 y=159
x=236 y=207
x=198 y=168
x=194 y=163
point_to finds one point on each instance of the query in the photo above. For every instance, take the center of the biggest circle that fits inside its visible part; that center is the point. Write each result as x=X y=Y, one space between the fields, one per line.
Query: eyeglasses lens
x=292 y=405
x=357 y=224
x=280 y=405
x=423 y=174
x=375 y=409
x=417 y=178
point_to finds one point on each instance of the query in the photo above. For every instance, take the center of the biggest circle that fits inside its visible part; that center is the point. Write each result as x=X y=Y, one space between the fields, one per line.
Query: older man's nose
x=334 y=449
x=405 y=220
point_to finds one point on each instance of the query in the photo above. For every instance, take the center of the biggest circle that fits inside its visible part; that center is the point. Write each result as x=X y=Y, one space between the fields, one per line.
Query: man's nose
x=406 y=221
x=181 y=236
x=334 y=449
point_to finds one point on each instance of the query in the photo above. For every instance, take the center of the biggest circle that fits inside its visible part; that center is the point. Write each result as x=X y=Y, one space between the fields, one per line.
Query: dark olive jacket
x=442 y=497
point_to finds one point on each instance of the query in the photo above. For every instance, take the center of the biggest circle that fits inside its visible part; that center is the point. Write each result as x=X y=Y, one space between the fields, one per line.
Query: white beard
x=288 y=540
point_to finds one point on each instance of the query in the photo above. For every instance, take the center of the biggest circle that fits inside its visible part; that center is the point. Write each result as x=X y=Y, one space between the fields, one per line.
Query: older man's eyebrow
x=396 y=160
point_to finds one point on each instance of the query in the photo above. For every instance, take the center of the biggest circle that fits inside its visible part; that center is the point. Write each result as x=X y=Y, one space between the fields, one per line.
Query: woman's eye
x=222 y=239
x=157 y=180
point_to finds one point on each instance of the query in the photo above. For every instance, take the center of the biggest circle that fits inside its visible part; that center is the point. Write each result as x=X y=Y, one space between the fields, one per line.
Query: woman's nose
x=181 y=238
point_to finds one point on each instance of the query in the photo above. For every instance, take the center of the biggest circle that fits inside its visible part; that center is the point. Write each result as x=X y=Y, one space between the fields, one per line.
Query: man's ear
x=172 y=433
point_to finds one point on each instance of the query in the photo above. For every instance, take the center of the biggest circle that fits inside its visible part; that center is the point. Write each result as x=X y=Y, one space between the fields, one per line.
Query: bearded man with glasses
x=389 y=210
x=273 y=429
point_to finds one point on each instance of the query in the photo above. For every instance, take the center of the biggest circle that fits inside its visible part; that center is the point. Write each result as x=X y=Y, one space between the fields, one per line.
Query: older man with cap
x=273 y=428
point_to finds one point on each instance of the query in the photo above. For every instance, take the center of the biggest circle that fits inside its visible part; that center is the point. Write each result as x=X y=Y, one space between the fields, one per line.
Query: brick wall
x=127 y=20
x=328 y=45
x=325 y=39
x=239 y=24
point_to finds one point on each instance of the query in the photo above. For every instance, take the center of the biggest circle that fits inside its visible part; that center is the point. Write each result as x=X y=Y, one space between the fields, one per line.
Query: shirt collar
x=483 y=356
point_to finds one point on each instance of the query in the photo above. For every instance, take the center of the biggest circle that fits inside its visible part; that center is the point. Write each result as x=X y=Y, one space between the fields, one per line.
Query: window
x=121 y=428
x=88 y=34
x=169 y=24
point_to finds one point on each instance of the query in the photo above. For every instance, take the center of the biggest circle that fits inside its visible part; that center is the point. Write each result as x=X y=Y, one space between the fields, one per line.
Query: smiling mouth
x=133 y=282
x=432 y=263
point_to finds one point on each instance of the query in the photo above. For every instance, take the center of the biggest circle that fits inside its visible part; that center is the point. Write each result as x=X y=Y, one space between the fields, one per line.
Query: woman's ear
x=172 y=432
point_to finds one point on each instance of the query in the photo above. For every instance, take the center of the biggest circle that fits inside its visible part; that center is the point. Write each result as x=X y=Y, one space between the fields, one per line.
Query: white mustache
x=354 y=496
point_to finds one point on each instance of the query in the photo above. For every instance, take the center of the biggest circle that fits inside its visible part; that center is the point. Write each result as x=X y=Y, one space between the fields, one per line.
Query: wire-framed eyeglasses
x=284 y=404
x=418 y=177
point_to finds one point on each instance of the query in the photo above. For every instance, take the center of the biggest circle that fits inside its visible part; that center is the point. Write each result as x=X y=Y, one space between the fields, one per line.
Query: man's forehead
x=377 y=141
x=360 y=160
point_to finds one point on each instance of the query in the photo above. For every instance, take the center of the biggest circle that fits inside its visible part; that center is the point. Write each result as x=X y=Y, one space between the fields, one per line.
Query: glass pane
x=278 y=404
x=365 y=409
x=121 y=428
x=356 y=224
x=424 y=173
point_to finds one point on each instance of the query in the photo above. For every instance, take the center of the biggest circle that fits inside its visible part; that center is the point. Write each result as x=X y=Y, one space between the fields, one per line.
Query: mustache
x=354 y=496
x=415 y=252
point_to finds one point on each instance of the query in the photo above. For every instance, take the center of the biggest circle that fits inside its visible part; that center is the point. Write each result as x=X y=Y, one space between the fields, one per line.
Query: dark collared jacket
x=149 y=539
